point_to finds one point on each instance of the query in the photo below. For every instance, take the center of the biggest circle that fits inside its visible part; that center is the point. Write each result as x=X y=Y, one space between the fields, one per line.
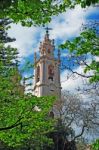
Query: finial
x=52 y=42
x=59 y=54
x=35 y=56
x=47 y=31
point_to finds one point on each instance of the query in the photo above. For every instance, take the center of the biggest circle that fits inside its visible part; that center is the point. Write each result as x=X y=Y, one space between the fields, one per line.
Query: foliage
x=86 y=44
x=95 y=145
x=30 y=12
x=29 y=124
x=19 y=121
x=37 y=12
x=85 y=3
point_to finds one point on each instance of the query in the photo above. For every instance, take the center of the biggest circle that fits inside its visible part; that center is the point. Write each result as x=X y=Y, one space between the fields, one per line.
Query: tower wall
x=47 y=71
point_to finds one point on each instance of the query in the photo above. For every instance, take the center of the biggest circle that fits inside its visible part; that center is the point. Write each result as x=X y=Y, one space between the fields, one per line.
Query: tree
x=19 y=121
x=37 y=11
x=76 y=119
x=18 y=117
x=30 y=12
x=8 y=58
x=95 y=145
x=82 y=46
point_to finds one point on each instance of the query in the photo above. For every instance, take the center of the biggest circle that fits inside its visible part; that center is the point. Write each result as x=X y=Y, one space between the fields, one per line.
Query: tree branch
x=12 y=126
x=82 y=131
x=74 y=72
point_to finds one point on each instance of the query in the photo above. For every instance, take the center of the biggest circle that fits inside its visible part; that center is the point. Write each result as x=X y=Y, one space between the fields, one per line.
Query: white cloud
x=66 y=25
x=26 y=39
x=79 y=85
x=71 y=83
x=69 y=24
x=97 y=58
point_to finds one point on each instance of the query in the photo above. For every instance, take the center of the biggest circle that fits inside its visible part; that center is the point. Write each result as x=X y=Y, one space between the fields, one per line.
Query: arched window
x=49 y=51
x=50 y=72
x=38 y=74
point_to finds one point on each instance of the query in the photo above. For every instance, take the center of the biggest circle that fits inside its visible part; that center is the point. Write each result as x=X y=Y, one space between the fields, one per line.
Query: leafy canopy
x=19 y=121
x=38 y=12
x=95 y=145
x=86 y=43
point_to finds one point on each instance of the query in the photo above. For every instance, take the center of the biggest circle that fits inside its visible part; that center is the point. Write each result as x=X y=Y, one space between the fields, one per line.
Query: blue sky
x=65 y=26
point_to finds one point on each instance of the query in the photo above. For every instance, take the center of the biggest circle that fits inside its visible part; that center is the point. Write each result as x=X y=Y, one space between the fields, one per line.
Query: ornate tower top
x=47 y=46
x=47 y=70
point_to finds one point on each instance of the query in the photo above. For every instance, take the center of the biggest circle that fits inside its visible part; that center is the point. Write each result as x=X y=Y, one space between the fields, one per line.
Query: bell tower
x=47 y=70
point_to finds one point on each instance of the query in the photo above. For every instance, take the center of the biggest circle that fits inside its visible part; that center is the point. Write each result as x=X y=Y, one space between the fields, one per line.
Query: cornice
x=45 y=58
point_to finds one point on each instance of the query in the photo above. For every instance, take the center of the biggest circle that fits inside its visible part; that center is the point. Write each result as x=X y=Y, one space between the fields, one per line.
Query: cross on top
x=47 y=29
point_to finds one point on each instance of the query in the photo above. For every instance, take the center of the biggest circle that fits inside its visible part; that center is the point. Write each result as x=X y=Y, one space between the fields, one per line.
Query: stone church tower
x=47 y=70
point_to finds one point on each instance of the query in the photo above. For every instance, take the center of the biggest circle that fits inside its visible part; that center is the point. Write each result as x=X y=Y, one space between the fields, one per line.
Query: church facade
x=47 y=70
